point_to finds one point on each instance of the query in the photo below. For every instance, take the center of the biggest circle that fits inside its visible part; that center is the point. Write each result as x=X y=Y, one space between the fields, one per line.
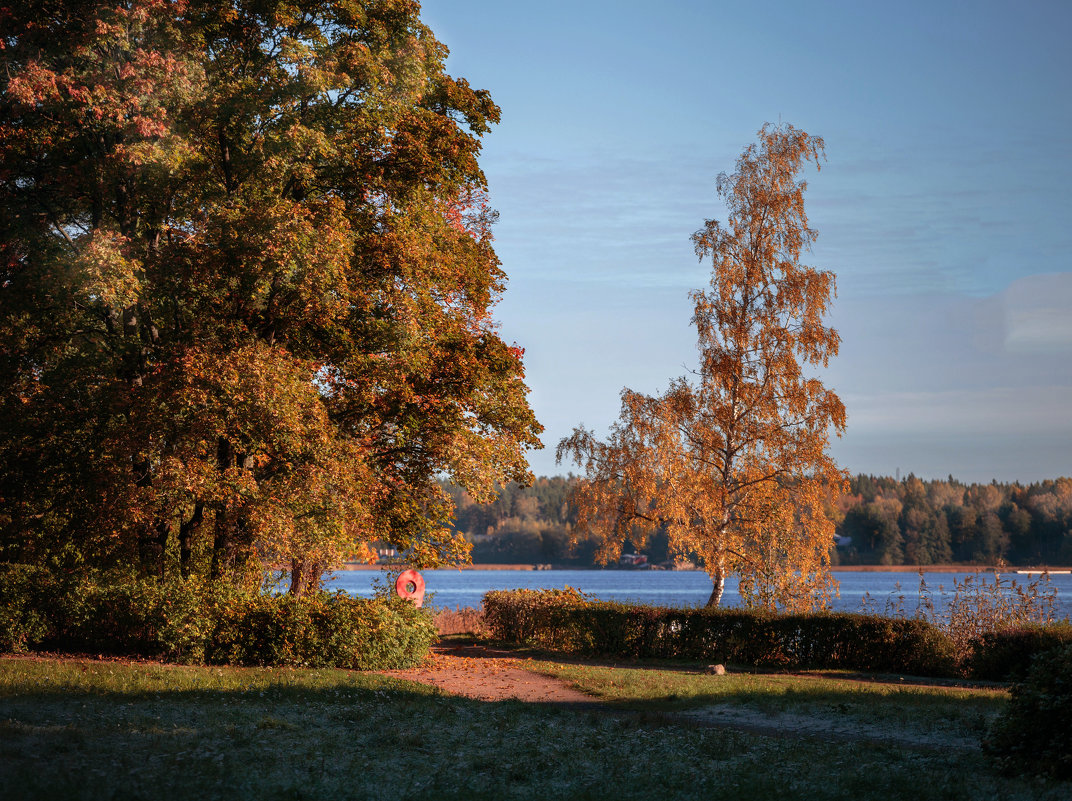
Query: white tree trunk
x=718 y=584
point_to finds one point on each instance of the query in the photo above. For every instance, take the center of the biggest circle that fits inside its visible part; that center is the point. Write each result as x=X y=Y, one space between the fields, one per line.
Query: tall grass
x=977 y=606
x=450 y=622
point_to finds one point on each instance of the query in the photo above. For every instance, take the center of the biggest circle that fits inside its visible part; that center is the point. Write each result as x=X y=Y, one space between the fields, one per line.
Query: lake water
x=675 y=588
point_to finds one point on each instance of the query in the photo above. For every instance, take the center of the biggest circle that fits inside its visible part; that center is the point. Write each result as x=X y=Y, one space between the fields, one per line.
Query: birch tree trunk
x=718 y=583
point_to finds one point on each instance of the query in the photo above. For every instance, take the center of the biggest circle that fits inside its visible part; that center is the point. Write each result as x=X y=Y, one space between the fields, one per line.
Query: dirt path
x=487 y=674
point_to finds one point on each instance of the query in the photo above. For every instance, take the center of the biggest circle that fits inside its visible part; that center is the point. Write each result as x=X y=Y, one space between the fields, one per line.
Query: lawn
x=102 y=730
x=814 y=704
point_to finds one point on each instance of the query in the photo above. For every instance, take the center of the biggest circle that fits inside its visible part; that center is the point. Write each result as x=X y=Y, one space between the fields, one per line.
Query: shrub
x=981 y=606
x=1033 y=735
x=568 y=621
x=322 y=630
x=536 y=616
x=194 y=621
x=25 y=592
x=1007 y=653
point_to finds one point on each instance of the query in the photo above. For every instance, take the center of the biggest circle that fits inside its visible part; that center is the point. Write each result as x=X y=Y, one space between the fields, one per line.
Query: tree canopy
x=733 y=461
x=246 y=276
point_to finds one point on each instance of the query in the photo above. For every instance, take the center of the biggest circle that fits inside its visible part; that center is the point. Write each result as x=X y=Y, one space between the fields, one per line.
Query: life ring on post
x=410 y=585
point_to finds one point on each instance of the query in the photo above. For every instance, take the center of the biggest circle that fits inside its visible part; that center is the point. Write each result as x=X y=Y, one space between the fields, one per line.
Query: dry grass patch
x=452 y=622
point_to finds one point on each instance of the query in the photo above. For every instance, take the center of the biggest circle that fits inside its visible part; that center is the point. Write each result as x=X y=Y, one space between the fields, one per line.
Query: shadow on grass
x=476 y=647
x=106 y=730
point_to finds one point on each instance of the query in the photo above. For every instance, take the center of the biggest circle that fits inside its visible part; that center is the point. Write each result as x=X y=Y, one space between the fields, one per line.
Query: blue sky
x=945 y=205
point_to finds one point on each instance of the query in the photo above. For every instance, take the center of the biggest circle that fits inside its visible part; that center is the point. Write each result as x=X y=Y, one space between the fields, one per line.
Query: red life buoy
x=410 y=585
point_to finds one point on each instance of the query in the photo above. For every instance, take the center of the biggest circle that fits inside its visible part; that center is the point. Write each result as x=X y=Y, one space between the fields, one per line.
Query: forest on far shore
x=880 y=521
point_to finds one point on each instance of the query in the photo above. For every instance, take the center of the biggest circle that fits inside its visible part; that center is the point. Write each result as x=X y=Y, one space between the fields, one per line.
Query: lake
x=450 y=588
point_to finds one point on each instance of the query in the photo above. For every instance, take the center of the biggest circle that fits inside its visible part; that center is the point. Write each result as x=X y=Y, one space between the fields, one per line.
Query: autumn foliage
x=732 y=461
x=246 y=275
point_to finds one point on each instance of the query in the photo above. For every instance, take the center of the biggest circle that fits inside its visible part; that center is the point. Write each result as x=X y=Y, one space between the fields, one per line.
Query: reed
x=466 y=620
x=977 y=606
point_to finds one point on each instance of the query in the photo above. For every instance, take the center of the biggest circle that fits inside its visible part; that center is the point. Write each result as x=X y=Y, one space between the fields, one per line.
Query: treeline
x=523 y=524
x=880 y=520
x=915 y=522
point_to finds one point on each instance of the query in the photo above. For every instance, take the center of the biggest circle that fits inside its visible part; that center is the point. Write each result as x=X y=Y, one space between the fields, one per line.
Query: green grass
x=901 y=707
x=90 y=730
x=686 y=687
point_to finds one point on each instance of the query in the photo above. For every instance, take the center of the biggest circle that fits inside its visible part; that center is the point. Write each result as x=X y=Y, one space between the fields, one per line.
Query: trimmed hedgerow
x=195 y=622
x=1007 y=653
x=1033 y=735
x=567 y=621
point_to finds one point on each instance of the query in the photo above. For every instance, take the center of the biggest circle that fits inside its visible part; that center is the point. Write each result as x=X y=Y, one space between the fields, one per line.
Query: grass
x=645 y=688
x=99 y=730
x=810 y=703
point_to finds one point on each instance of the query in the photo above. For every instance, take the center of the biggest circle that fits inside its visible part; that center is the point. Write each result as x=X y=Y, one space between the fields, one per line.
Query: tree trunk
x=152 y=540
x=305 y=576
x=163 y=531
x=220 y=545
x=222 y=540
x=152 y=548
x=187 y=529
x=718 y=583
x=297 y=578
x=232 y=542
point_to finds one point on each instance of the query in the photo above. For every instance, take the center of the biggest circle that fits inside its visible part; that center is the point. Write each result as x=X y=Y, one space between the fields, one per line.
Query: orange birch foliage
x=732 y=462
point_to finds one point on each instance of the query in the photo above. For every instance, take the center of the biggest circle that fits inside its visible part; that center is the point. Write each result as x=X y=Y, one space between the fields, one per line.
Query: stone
x=716 y=670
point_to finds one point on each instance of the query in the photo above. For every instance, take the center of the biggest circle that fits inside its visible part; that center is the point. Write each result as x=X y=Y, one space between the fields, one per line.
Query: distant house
x=385 y=553
x=633 y=560
x=842 y=542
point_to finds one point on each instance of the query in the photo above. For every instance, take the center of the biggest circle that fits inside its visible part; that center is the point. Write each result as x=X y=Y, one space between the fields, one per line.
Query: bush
x=25 y=593
x=1034 y=735
x=322 y=630
x=196 y=622
x=1006 y=654
x=568 y=621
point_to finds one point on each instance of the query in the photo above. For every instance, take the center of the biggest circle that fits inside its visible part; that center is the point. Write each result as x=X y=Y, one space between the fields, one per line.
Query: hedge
x=1033 y=735
x=566 y=621
x=1007 y=654
x=324 y=630
x=198 y=622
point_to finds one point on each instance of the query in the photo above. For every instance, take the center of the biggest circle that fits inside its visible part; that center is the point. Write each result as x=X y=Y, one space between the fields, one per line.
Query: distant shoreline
x=1006 y=570
x=361 y=566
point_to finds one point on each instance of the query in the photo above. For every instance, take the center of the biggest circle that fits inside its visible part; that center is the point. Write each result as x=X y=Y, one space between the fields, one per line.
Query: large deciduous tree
x=733 y=461
x=246 y=276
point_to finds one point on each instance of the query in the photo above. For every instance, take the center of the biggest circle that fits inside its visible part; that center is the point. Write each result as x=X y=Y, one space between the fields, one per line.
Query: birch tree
x=732 y=460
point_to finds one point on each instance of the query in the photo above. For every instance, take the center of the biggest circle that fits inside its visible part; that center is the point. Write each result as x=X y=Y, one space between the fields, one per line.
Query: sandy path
x=487 y=674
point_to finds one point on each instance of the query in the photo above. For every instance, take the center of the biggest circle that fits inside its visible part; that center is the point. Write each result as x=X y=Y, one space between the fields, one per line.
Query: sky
x=944 y=206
